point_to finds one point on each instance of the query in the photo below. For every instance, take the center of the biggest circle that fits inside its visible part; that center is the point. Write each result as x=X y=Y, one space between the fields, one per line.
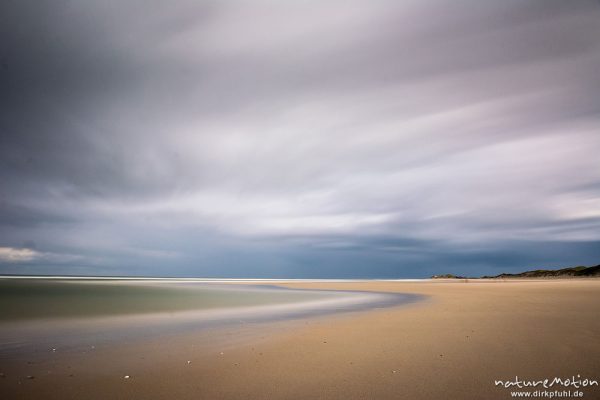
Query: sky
x=298 y=139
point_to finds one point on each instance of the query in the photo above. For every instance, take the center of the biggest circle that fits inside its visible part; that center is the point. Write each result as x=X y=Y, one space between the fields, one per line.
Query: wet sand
x=453 y=345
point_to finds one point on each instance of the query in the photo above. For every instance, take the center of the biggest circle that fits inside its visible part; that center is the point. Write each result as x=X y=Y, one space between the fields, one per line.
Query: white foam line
x=213 y=280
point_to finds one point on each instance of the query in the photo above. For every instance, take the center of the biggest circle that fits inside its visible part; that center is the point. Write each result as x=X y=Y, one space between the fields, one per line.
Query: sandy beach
x=452 y=345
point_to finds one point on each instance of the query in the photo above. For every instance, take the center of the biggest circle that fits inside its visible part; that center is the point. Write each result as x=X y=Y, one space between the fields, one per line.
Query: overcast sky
x=298 y=139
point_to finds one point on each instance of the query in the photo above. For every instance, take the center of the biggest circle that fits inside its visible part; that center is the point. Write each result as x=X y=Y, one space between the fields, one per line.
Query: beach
x=454 y=343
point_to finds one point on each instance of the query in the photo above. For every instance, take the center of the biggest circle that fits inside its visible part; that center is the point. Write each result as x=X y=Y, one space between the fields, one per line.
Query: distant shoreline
x=569 y=273
x=200 y=279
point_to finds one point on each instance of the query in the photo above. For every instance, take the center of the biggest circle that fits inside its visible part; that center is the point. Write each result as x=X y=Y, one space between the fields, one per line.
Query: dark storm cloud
x=244 y=138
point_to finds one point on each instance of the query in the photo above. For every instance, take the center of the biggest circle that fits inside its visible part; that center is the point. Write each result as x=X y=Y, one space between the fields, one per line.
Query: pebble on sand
x=126 y=377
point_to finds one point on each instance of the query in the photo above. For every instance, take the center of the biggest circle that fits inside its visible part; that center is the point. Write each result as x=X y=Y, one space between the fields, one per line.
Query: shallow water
x=39 y=315
x=25 y=299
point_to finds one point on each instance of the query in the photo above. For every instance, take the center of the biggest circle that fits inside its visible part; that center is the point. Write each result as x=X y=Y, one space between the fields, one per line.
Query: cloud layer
x=359 y=139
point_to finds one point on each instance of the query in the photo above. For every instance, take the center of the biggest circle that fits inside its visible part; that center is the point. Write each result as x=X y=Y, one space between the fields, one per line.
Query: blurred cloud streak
x=375 y=139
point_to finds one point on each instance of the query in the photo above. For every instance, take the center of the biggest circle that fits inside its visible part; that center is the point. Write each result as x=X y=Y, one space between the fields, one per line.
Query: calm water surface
x=41 y=314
